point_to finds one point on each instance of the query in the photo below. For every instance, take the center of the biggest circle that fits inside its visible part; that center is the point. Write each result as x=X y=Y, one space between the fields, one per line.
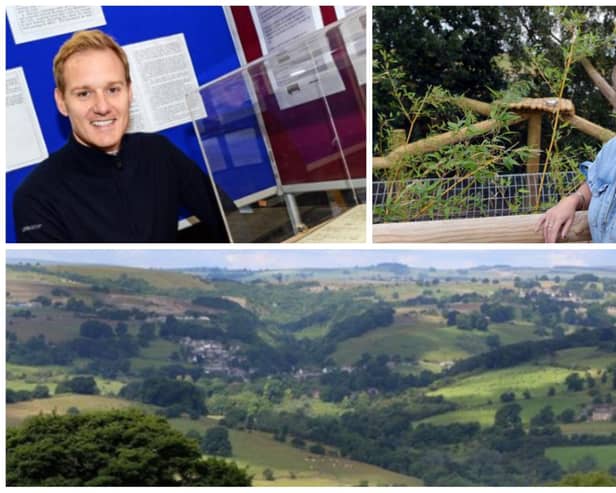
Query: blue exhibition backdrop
x=212 y=52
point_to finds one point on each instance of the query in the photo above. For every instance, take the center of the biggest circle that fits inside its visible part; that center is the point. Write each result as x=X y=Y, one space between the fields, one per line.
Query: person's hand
x=557 y=221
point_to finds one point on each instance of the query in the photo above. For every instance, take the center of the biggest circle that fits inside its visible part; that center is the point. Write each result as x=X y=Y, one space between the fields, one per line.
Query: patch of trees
x=216 y=441
x=115 y=347
x=369 y=373
x=146 y=333
x=379 y=314
x=472 y=321
x=240 y=324
x=420 y=300
x=579 y=281
x=176 y=396
x=78 y=385
x=174 y=372
x=131 y=284
x=428 y=435
x=23 y=314
x=173 y=329
x=97 y=288
x=43 y=300
x=95 y=329
x=498 y=312
x=384 y=435
x=78 y=306
x=131 y=449
x=118 y=346
x=216 y=302
x=39 y=392
x=36 y=351
x=60 y=292
x=321 y=316
x=465 y=298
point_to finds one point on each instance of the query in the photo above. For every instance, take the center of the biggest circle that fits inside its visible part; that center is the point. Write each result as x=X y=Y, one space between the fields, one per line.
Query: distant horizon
x=259 y=259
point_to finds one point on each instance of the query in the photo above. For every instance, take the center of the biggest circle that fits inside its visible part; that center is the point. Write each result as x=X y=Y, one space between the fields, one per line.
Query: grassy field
x=418 y=338
x=56 y=325
x=259 y=451
x=477 y=390
x=164 y=280
x=582 y=358
x=515 y=331
x=479 y=397
x=484 y=414
x=605 y=455
x=26 y=378
x=155 y=355
x=598 y=428
x=16 y=413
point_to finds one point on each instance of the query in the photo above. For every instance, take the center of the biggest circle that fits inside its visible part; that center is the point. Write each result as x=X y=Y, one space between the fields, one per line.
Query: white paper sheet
x=24 y=140
x=279 y=25
x=354 y=35
x=344 y=10
x=304 y=73
x=29 y=23
x=162 y=75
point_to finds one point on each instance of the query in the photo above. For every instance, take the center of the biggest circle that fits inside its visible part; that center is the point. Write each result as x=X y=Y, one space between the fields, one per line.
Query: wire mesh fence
x=456 y=198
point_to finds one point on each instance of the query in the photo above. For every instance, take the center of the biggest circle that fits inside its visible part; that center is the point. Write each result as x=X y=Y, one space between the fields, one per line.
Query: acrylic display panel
x=285 y=136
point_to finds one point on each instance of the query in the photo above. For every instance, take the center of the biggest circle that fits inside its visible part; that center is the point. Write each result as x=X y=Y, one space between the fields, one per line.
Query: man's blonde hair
x=82 y=41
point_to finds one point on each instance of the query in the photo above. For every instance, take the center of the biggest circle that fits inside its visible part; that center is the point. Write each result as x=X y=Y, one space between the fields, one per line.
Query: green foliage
x=268 y=474
x=94 y=329
x=113 y=448
x=216 y=442
x=574 y=382
x=588 y=479
x=180 y=396
x=376 y=315
x=78 y=385
x=39 y=392
x=486 y=53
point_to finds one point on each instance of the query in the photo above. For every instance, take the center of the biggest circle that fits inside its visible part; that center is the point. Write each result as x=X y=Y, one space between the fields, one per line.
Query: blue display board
x=212 y=52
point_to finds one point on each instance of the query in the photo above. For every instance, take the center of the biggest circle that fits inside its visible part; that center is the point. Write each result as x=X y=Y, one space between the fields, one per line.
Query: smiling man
x=106 y=185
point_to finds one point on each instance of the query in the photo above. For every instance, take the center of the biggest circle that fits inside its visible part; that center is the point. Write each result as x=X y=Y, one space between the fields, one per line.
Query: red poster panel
x=320 y=140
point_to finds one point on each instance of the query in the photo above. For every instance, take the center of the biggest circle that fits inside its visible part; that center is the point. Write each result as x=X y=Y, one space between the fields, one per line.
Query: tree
x=586 y=463
x=574 y=382
x=78 y=385
x=94 y=329
x=507 y=431
x=544 y=423
x=111 y=448
x=121 y=329
x=507 y=397
x=147 y=332
x=567 y=416
x=216 y=442
x=268 y=474
x=587 y=479
x=40 y=392
x=493 y=341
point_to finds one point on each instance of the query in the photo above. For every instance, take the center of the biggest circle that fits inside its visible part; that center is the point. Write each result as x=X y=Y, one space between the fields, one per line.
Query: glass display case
x=284 y=137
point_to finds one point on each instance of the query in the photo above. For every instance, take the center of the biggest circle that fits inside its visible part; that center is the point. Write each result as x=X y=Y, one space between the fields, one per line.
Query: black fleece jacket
x=81 y=194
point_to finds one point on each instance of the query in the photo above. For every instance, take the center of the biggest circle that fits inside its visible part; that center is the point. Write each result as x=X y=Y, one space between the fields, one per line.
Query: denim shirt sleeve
x=601 y=179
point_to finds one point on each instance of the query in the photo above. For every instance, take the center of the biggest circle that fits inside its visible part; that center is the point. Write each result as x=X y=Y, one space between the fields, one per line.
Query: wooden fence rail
x=502 y=229
x=529 y=109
